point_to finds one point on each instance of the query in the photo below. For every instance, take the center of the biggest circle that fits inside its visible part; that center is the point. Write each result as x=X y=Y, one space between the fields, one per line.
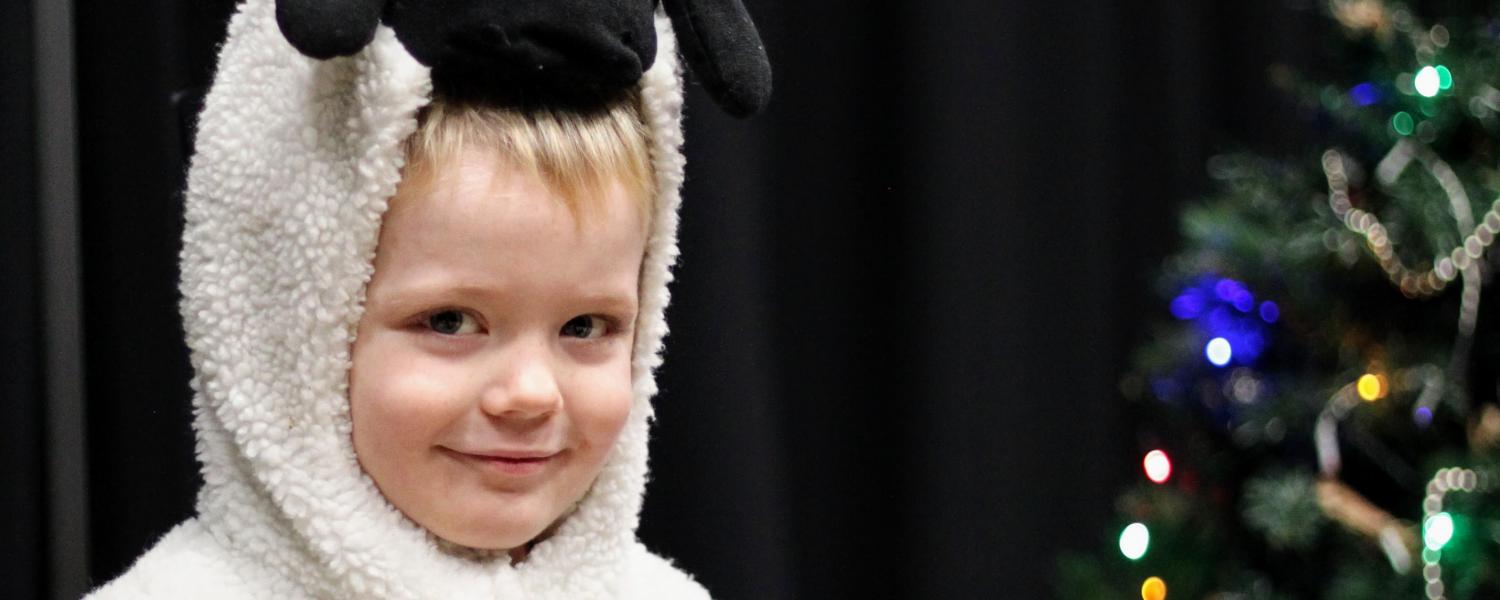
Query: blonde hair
x=577 y=152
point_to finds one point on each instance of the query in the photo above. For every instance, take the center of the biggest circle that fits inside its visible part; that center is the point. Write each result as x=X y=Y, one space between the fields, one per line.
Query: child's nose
x=526 y=389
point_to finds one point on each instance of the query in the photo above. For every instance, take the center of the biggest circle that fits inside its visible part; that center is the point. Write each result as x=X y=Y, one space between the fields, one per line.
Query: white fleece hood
x=296 y=159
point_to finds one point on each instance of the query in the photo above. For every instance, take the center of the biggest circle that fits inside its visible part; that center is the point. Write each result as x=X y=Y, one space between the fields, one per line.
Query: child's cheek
x=401 y=398
x=601 y=413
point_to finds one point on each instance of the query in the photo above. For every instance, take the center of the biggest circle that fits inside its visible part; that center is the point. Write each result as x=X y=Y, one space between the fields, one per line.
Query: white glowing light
x=1218 y=351
x=1437 y=530
x=1158 y=466
x=1428 y=82
x=1134 y=541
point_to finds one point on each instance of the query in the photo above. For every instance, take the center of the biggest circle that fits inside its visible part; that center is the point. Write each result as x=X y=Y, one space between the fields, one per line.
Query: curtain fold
x=22 y=539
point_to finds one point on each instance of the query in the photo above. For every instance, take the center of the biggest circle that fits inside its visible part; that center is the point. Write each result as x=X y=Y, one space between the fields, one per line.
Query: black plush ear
x=324 y=29
x=724 y=51
x=528 y=52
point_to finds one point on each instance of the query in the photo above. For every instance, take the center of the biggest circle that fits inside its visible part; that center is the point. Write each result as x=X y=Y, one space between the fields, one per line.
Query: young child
x=491 y=371
x=423 y=332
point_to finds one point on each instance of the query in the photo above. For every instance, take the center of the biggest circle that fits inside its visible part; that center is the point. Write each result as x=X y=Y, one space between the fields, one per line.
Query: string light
x=1158 y=466
x=1438 y=527
x=1134 y=541
x=1371 y=387
x=1154 y=589
x=1445 y=268
x=1218 y=351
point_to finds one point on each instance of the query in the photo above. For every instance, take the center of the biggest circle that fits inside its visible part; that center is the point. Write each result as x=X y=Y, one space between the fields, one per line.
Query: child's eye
x=586 y=327
x=451 y=322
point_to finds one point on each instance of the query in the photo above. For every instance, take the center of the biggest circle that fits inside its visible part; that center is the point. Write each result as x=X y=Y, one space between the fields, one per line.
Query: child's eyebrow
x=410 y=296
x=419 y=295
x=622 y=303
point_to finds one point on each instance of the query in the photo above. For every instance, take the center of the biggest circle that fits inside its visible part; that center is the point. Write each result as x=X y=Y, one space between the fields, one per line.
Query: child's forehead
x=516 y=251
x=480 y=204
x=473 y=182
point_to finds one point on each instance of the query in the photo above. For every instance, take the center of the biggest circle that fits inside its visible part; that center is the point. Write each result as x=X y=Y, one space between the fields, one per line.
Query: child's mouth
x=514 y=463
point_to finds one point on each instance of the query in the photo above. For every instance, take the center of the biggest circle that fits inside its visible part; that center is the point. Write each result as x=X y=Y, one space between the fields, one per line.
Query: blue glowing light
x=1364 y=94
x=1225 y=309
x=1269 y=312
x=1252 y=343
x=1422 y=416
x=1218 y=351
x=1227 y=289
x=1188 y=305
x=1243 y=301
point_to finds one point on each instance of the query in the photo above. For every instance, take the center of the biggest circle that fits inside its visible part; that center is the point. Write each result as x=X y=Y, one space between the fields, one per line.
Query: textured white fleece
x=295 y=161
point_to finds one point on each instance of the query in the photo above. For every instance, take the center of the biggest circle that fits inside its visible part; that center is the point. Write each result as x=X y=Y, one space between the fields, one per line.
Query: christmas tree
x=1317 y=409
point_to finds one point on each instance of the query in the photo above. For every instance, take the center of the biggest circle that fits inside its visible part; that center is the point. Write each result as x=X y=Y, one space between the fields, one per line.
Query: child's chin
x=495 y=537
x=498 y=541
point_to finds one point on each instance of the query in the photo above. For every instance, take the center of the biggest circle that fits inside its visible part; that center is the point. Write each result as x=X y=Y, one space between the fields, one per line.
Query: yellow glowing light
x=1154 y=589
x=1371 y=387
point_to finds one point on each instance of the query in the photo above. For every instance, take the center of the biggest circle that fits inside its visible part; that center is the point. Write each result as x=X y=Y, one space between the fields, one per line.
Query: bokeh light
x=1187 y=306
x=1134 y=541
x=1154 y=589
x=1428 y=82
x=1218 y=351
x=1371 y=387
x=1437 y=531
x=1422 y=416
x=1365 y=94
x=1158 y=466
x=1403 y=123
x=1269 y=312
x=1223 y=307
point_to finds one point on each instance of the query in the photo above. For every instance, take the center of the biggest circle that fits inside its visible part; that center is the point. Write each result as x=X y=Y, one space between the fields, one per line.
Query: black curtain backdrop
x=23 y=544
x=906 y=294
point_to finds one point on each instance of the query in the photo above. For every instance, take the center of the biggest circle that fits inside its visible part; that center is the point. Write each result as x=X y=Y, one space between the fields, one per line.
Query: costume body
x=189 y=563
x=295 y=161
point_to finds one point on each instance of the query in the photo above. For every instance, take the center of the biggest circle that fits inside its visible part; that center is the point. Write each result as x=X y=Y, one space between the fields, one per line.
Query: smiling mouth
x=514 y=464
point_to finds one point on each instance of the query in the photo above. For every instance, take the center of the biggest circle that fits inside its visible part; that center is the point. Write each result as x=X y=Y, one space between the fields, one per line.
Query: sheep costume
x=298 y=149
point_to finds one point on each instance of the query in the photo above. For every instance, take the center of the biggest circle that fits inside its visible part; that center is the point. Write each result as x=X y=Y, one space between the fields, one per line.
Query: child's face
x=491 y=371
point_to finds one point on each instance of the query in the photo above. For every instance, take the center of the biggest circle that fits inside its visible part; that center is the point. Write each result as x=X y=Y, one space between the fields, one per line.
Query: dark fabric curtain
x=23 y=547
x=906 y=294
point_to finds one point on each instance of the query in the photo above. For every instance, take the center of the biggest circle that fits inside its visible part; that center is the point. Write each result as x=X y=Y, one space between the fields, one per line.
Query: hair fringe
x=578 y=153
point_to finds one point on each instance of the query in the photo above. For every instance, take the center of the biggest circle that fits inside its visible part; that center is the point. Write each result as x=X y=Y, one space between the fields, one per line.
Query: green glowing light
x=1427 y=82
x=1445 y=77
x=1134 y=541
x=1437 y=531
x=1403 y=123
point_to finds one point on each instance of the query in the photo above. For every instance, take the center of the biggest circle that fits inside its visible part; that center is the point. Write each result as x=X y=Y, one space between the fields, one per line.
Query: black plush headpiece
x=540 y=51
